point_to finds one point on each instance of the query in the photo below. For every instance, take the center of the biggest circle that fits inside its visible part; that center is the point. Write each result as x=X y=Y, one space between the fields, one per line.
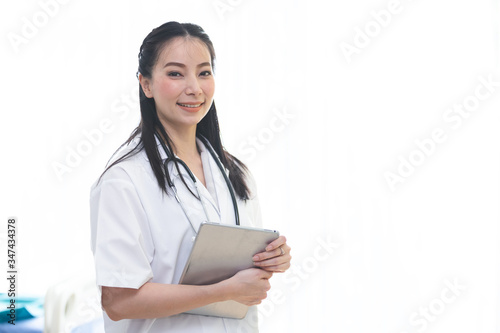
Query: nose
x=193 y=86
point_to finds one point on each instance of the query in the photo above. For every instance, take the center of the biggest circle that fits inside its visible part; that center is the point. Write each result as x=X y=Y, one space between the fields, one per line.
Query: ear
x=146 y=86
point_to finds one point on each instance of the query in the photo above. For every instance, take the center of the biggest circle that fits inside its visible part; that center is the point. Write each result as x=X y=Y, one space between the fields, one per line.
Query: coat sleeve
x=121 y=239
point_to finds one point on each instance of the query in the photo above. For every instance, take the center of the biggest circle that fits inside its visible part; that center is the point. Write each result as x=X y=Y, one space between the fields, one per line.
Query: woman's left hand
x=276 y=258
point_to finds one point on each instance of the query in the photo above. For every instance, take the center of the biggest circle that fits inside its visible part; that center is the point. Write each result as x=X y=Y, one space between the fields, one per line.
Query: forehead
x=184 y=50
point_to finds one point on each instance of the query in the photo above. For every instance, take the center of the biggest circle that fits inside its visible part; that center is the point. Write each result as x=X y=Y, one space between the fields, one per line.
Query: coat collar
x=215 y=195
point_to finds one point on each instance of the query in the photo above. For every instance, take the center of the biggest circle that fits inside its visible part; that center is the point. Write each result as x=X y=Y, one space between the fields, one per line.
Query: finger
x=273 y=262
x=281 y=240
x=277 y=268
x=265 y=274
x=266 y=255
x=272 y=254
x=280 y=260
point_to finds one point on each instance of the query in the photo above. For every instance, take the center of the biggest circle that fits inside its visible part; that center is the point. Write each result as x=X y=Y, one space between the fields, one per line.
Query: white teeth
x=190 y=105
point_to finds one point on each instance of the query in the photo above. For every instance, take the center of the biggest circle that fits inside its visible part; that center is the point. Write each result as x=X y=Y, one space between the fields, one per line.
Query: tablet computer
x=219 y=252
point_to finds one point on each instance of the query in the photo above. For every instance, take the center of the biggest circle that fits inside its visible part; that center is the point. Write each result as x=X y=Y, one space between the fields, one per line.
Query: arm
x=154 y=300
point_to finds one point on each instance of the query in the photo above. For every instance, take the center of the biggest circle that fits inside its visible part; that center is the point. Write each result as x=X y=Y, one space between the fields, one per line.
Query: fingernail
x=255 y=258
x=269 y=248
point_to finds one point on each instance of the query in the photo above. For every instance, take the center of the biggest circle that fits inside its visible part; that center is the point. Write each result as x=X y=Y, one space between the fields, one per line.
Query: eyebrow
x=178 y=64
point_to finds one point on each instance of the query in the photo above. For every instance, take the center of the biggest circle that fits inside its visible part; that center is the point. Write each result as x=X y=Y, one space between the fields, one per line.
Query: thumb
x=265 y=274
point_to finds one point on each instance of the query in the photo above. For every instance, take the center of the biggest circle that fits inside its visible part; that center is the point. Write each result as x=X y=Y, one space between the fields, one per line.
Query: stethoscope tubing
x=171 y=158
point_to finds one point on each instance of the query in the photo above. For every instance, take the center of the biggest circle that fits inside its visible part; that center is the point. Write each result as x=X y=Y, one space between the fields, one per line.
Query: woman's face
x=182 y=84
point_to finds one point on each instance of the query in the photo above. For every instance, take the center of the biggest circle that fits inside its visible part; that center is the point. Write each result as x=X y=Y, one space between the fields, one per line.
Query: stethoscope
x=171 y=158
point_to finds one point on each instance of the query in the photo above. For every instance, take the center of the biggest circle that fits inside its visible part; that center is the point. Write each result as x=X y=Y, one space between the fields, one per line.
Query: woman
x=142 y=230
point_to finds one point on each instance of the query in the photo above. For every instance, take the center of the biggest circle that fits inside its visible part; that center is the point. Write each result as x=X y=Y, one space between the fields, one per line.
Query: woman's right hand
x=249 y=286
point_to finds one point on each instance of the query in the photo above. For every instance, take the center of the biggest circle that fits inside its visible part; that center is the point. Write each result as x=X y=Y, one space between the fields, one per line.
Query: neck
x=184 y=142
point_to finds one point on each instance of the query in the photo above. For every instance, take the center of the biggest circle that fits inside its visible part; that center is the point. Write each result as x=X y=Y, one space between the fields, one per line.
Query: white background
x=348 y=120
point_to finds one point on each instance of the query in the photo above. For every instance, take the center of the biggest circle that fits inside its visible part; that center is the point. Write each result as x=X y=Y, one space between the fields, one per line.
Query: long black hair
x=208 y=127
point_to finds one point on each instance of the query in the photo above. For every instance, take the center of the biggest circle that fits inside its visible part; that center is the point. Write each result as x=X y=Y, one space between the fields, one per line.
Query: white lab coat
x=141 y=235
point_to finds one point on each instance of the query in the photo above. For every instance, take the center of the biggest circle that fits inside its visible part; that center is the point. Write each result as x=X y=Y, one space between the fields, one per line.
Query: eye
x=174 y=74
x=205 y=73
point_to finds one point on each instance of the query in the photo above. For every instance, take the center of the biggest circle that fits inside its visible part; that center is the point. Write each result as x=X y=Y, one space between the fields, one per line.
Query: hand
x=249 y=286
x=276 y=258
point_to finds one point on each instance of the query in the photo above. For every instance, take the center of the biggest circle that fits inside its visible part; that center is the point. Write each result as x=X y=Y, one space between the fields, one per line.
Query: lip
x=190 y=108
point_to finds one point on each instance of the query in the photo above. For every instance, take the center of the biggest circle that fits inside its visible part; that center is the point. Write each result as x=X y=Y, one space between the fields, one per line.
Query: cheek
x=209 y=88
x=168 y=88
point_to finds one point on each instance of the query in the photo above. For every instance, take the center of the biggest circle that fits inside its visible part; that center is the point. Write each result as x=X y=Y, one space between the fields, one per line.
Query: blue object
x=28 y=314
x=33 y=325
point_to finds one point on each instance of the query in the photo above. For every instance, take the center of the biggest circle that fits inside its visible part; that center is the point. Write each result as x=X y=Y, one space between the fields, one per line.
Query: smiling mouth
x=190 y=105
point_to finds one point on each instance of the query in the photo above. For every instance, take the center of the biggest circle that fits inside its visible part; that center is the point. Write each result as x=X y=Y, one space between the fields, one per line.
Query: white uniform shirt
x=141 y=235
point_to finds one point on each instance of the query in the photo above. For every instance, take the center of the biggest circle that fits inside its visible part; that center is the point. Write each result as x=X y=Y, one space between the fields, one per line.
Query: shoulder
x=126 y=165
